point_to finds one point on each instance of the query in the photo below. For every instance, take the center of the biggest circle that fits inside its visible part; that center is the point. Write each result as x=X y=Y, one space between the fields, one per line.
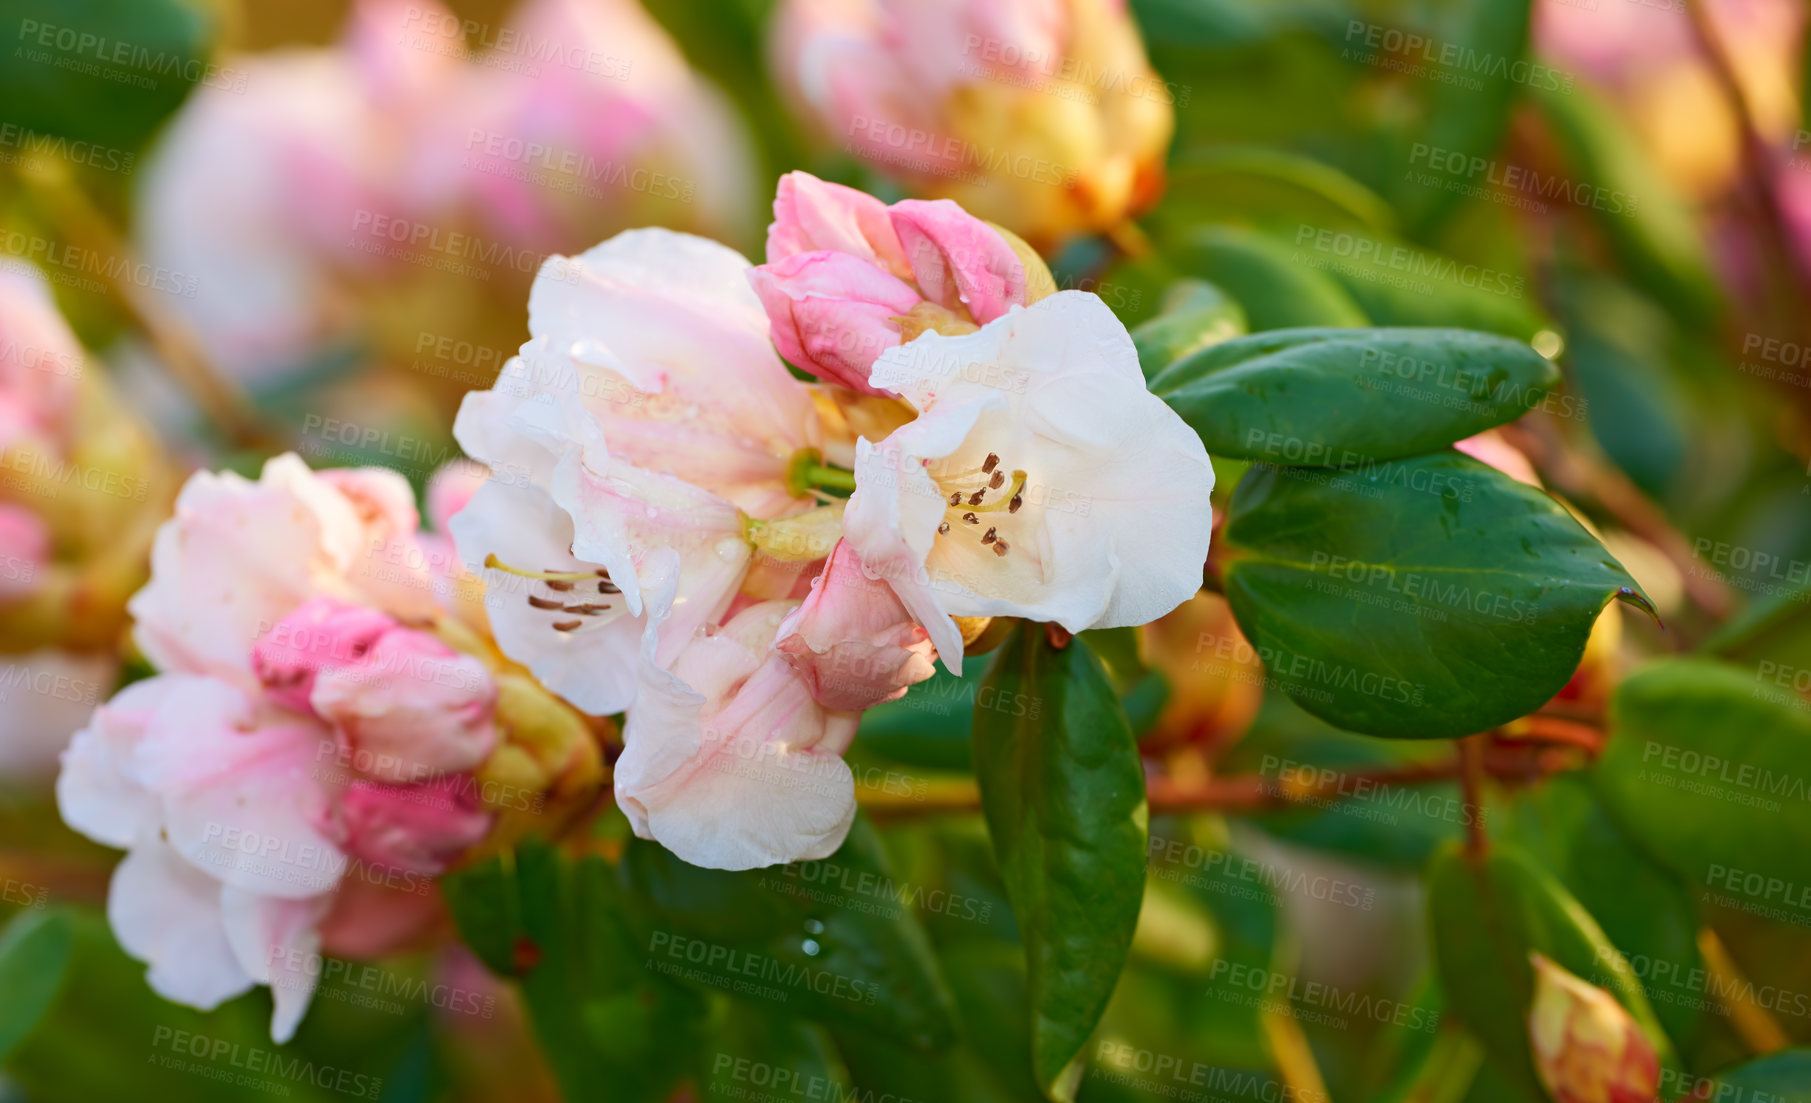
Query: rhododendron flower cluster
x=678 y=540
x=311 y=752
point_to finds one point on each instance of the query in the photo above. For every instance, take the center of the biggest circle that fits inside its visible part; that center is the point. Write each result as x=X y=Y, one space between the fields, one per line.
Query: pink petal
x=959 y=260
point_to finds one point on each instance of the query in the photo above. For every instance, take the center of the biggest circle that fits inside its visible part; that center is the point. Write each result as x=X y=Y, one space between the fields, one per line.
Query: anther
x=998 y=481
x=543 y=603
x=971 y=518
x=608 y=587
x=1000 y=547
x=988 y=537
x=975 y=498
x=566 y=625
x=1017 y=501
x=586 y=609
x=955 y=497
x=943 y=528
x=993 y=461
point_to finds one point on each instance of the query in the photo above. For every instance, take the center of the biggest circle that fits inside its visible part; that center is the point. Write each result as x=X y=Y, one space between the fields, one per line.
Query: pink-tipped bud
x=320 y=634
x=1587 y=1047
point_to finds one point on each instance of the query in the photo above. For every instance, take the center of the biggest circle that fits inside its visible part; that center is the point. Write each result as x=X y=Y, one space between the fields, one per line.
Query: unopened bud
x=1587 y=1047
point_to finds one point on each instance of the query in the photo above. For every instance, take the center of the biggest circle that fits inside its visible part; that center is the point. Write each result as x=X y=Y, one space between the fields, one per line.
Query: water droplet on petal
x=651 y=511
x=811 y=947
x=813 y=926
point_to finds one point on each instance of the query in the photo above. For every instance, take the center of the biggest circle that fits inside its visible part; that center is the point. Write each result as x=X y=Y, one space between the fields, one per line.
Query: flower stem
x=818 y=475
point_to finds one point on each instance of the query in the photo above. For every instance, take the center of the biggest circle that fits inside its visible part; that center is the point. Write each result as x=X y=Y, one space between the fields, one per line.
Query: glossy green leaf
x=34 y=953
x=1643 y=908
x=601 y=1010
x=1432 y=597
x=1336 y=397
x=1275 y=289
x=1063 y=790
x=106 y=71
x=830 y=941
x=1783 y=1077
x=1708 y=769
x=757 y=1049
x=1196 y=314
x=1485 y=918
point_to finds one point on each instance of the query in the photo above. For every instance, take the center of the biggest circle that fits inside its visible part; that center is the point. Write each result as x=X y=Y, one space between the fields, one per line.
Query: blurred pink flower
x=843 y=271
x=584 y=120
x=1041 y=115
x=851 y=639
x=413 y=828
x=41 y=363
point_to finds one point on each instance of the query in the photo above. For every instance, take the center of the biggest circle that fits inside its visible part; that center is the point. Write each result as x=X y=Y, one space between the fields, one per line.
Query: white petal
x=593 y=668
x=242 y=799
x=277 y=942
x=166 y=913
x=98 y=793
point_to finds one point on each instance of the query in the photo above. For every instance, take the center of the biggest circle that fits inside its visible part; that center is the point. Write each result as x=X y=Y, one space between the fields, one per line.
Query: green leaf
x=1494 y=302
x=1336 y=397
x=1063 y=790
x=1707 y=769
x=1486 y=917
x=34 y=954
x=1642 y=906
x=1783 y=1077
x=105 y=71
x=487 y=911
x=1471 y=121
x=1196 y=314
x=757 y=1049
x=1266 y=185
x=829 y=941
x=1427 y=598
x=601 y=1013
x=1276 y=290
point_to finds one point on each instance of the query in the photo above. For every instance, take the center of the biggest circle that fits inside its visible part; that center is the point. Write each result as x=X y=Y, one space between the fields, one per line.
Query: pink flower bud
x=412 y=708
x=40 y=361
x=1587 y=1048
x=320 y=634
x=852 y=641
x=402 y=829
x=843 y=271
